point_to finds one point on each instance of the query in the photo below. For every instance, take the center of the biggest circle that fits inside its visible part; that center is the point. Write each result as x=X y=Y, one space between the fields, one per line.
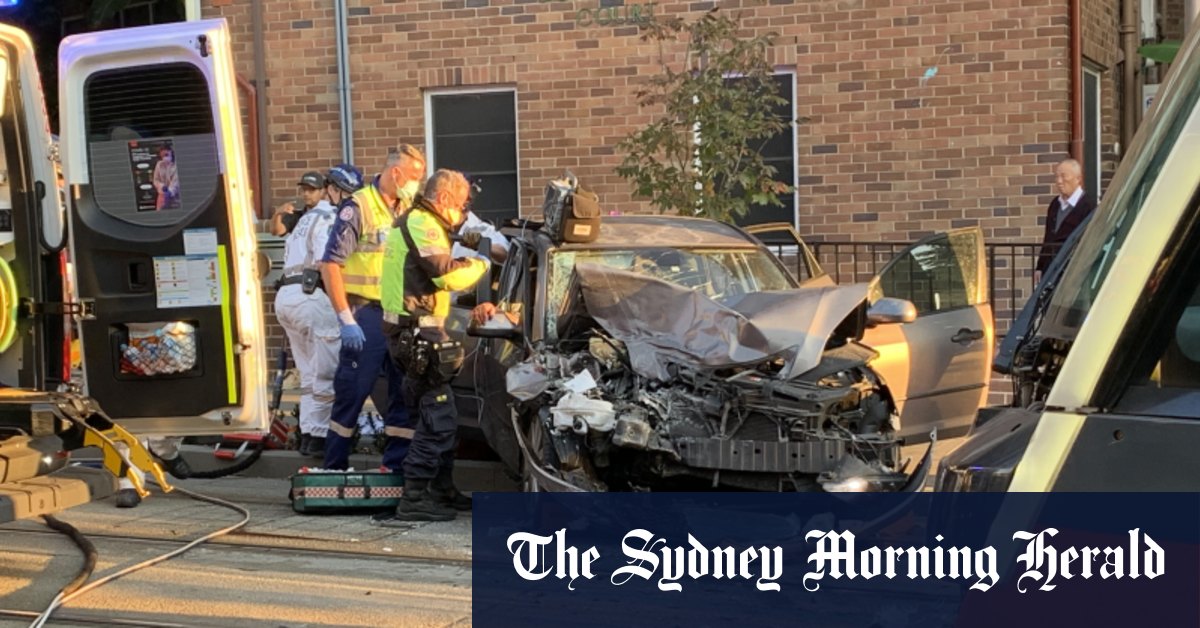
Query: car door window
x=938 y=274
x=786 y=244
x=1170 y=385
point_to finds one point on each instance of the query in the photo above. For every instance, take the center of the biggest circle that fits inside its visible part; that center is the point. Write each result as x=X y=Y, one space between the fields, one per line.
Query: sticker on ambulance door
x=155 y=175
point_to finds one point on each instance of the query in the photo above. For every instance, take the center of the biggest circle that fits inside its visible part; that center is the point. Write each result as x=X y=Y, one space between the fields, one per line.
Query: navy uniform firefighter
x=352 y=269
x=418 y=276
x=303 y=308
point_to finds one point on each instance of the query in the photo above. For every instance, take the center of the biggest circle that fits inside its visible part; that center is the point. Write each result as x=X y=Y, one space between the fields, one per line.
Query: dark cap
x=314 y=180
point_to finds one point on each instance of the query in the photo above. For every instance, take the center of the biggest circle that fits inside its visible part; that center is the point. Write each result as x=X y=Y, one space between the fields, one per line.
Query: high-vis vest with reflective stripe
x=364 y=266
x=419 y=282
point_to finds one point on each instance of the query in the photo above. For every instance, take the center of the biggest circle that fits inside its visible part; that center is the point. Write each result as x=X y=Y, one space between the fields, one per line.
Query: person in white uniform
x=306 y=314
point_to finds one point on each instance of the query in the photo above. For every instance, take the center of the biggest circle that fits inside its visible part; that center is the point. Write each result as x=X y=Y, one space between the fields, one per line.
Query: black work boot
x=316 y=447
x=305 y=439
x=419 y=504
x=445 y=492
x=128 y=498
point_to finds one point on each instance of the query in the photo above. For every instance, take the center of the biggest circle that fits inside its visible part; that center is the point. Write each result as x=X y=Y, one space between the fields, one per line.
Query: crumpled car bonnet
x=662 y=322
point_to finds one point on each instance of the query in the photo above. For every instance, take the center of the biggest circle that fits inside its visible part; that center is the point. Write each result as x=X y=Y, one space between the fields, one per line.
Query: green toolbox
x=318 y=491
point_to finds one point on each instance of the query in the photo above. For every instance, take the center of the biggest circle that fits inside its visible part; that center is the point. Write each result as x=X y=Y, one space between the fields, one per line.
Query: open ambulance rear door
x=161 y=229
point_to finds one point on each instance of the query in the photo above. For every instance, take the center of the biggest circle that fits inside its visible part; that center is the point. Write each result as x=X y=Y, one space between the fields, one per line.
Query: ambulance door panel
x=162 y=235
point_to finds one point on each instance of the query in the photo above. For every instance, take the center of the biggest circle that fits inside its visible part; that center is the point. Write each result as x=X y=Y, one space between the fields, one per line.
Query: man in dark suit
x=1065 y=213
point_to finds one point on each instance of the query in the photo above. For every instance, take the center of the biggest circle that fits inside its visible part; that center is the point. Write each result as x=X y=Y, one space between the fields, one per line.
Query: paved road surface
x=288 y=570
x=283 y=570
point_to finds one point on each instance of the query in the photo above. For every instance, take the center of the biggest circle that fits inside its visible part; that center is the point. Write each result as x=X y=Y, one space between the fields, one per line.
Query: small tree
x=702 y=156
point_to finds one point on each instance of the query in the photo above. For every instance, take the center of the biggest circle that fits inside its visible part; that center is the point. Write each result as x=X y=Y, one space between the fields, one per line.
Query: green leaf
x=1163 y=52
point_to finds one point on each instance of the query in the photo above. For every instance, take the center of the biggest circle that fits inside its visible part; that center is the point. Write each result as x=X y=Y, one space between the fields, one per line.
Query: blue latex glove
x=353 y=338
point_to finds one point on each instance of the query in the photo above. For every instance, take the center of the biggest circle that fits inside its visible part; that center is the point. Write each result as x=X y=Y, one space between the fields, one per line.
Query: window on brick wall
x=475 y=132
x=779 y=151
x=136 y=14
x=1091 y=132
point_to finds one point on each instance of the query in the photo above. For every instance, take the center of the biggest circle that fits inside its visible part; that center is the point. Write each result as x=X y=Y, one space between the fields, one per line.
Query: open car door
x=161 y=229
x=781 y=238
x=938 y=367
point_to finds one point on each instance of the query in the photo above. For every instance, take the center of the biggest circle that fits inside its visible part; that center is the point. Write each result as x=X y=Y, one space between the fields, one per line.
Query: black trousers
x=436 y=425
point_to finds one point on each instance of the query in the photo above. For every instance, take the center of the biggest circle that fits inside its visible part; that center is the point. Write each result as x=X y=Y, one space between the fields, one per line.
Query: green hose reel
x=8 y=306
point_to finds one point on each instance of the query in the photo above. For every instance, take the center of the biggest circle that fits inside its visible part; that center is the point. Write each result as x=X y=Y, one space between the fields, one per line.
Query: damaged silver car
x=681 y=354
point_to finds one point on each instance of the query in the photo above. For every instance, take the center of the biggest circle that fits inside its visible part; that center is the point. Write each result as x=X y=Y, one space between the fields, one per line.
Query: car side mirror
x=498 y=327
x=888 y=310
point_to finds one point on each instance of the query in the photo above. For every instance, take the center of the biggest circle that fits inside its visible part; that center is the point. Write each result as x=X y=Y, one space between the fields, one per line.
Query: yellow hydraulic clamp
x=81 y=423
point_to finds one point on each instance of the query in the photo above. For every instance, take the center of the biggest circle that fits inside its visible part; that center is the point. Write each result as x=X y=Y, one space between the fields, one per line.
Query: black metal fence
x=1010 y=269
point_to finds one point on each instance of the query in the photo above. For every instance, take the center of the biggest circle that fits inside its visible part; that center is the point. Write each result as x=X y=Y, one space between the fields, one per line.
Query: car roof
x=636 y=231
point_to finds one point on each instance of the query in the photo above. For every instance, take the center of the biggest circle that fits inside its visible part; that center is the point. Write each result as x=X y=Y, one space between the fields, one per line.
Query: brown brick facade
x=883 y=155
x=1170 y=19
x=885 y=152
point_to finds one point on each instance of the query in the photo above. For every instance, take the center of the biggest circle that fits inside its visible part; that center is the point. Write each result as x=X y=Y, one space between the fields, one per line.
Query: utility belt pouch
x=310 y=280
x=436 y=357
x=448 y=360
x=406 y=352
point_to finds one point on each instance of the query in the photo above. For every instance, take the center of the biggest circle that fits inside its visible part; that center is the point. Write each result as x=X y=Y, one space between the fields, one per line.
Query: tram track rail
x=240 y=540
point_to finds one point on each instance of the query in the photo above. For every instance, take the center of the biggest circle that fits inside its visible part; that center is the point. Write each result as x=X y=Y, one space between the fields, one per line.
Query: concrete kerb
x=469 y=475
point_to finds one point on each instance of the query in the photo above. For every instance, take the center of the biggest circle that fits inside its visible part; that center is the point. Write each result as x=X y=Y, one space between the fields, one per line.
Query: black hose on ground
x=82 y=542
x=63 y=598
x=237 y=467
x=275 y=401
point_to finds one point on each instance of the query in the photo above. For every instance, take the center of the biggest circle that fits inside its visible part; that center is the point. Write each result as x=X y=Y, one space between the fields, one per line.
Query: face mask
x=409 y=190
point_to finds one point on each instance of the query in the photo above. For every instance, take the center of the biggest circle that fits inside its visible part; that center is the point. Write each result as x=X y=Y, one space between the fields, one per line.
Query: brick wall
x=1170 y=19
x=884 y=154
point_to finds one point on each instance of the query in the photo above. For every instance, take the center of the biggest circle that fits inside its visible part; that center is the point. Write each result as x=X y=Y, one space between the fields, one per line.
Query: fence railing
x=1010 y=268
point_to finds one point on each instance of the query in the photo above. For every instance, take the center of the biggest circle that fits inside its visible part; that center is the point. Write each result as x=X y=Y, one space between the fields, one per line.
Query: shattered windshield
x=719 y=274
x=1132 y=184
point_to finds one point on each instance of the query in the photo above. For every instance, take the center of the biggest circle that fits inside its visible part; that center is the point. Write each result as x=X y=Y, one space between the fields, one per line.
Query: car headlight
x=972 y=479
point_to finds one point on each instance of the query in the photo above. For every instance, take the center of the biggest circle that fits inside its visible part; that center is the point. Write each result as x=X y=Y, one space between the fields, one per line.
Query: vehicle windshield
x=1131 y=185
x=718 y=273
